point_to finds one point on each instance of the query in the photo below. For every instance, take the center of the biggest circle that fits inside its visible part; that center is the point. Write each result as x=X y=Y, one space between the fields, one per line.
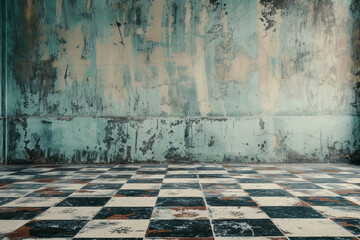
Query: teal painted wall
x=182 y=80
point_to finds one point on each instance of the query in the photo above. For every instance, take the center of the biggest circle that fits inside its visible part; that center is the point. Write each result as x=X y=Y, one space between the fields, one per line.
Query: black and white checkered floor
x=200 y=201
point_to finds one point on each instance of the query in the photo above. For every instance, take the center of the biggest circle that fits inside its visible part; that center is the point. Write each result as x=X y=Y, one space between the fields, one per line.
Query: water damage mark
x=148 y=145
x=36 y=155
x=262 y=124
x=211 y=142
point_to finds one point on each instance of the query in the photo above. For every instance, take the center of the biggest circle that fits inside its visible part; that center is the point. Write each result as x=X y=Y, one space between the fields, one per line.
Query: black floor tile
x=299 y=186
x=245 y=227
x=179 y=228
x=102 y=186
x=4 y=200
x=230 y=201
x=180 y=202
x=124 y=213
x=220 y=186
x=268 y=193
x=352 y=225
x=253 y=180
x=144 y=180
x=137 y=193
x=181 y=176
x=291 y=212
x=83 y=202
x=50 y=192
x=48 y=228
x=214 y=176
x=20 y=213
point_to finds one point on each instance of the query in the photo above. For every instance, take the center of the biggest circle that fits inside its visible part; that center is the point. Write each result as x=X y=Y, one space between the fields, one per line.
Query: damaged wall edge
x=269 y=139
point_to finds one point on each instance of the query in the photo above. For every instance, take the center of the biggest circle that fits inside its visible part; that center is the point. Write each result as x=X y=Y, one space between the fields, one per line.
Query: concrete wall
x=183 y=80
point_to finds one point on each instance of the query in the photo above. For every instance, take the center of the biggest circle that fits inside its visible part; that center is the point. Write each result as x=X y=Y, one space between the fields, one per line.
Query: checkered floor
x=229 y=201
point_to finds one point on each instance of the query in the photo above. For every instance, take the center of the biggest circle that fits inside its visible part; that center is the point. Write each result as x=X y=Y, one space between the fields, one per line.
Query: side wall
x=183 y=80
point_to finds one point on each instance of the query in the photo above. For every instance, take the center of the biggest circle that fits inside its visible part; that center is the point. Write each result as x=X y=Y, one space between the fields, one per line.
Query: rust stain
x=49 y=191
x=120 y=216
x=228 y=198
x=347 y=191
x=20 y=233
x=46 y=180
x=30 y=209
x=324 y=199
x=157 y=231
x=84 y=191
x=345 y=224
x=179 y=209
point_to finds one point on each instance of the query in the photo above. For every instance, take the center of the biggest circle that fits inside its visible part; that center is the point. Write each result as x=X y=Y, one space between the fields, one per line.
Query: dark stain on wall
x=271 y=7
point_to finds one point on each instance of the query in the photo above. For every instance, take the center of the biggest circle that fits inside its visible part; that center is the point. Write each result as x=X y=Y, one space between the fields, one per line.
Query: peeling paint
x=123 y=81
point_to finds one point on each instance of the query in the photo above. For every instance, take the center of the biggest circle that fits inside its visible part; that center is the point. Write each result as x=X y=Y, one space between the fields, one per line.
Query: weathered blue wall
x=183 y=80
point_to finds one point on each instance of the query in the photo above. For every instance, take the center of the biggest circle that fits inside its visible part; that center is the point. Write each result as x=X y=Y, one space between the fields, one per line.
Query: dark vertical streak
x=118 y=24
x=4 y=78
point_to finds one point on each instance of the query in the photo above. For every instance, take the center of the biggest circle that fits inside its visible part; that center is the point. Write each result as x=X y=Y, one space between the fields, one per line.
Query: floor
x=200 y=201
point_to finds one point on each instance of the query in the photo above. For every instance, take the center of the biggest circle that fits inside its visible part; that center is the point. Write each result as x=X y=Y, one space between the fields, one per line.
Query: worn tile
x=193 y=213
x=347 y=192
x=181 y=180
x=141 y=186
x=5 y=200
x=299 y=186
x=180 y=186
x=220 y=186
x=48 y=228
x=260 y=186
x=230 y=201
x=102 y=186
x=113 y=213
x=268 y=192
x=114 y=229
x=339 y=211
x=218 y=181
x=179 y=228
x=93 y=193
x=291 y=212
x=253 y=180
x=338 y=186
x=225 y=193
x=352 y=225
x=137 y=193
x=311 y=192
x=132 y=202
x=327 y=201
x=145 y=180
x=237 y=213
x=20 y=213
x=278 y=201
x=83 y=202
x=245 y=227
x=50 y=192
x=310 y=227
x=180 y=193
x=34 y=202
x=180 y=202
x=69 y=213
